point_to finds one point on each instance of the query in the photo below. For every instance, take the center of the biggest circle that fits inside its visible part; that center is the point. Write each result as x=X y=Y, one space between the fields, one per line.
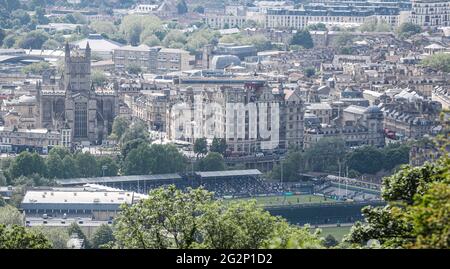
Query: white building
x=430 y=13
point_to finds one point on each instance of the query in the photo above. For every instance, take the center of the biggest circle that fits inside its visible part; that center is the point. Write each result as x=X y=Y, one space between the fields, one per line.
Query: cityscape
x=224 y=124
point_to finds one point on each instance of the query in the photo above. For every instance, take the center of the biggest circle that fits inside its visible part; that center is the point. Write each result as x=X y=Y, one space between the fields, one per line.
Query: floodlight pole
x=339 y=179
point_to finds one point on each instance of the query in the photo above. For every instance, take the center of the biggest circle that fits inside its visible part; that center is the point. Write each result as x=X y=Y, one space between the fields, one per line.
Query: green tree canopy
x=33 y=40
x=57 y=237
x=200 y=146
x=303 y=38
x=182 y=7
x=134 y=69
x=137 y=130
x=9 y=215
x=416 y=215
x=18 y=237
x=55 y=167
x=192 y=219
x=438 y=61
x=36 y=68
x=219 y=145
x=87 y=164
x=98 y=77
x=120 y=126
x=366 y=160
x=108 y=167
x=325 y=155
x=26 y=164
x=102 y=236
x=155 y=159
x=408 y=29
x=74 y=228
x=213 y=161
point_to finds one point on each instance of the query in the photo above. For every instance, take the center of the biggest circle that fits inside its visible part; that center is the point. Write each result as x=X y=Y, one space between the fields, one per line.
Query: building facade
x=430 y=13
x=251 y=117
x=76 y=104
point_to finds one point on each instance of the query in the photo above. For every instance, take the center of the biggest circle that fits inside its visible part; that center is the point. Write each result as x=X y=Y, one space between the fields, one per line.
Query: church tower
x=77 y=72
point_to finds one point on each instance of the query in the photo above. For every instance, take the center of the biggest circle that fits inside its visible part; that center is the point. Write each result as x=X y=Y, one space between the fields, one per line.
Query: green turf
x=287 y=200
x=337 y=232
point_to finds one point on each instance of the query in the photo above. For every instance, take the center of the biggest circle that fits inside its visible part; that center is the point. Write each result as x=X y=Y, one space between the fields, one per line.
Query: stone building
x=356 y=125
x=76 y=104
x=252 y=117
x=430 y=13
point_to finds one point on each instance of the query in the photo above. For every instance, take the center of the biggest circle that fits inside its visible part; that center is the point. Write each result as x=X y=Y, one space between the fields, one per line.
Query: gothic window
x=47 y=111
x=80 y=128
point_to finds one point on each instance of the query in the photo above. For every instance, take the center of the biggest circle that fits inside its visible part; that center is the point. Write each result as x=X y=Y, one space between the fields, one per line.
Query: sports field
x=288 y=200
x=336 y=232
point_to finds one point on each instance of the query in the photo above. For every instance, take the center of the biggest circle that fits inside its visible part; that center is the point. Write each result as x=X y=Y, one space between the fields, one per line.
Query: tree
x=375 y=25
x=87 y=164
x=70 y=166
x=416 y=215
x=57 y=237
x=165 y=220
x=103 y=27
x=182 y=7
x=102 y=236
x=292 y=165
x=166 y=159
x=175 y=39
x=2 y=36
x=21 y=15
x=316 y=27
x=9 y=40
x=137 y=130
x=330 y=241
x=26 y=164
x=130 y=145
x=406 y=30
x=55 y=168
x=200 y=146
x=309 y=72
x=120 y=126
x=157 y=159
x=75 y=229
x=259 y=41
x=108 y=167
x=403 y=185
x=219 y=145
x=212 y=162
x=429 y=217
x=198 y=39
x=133 y=27
x=152 y=41
x=9 y=215
x=40 y=16
x=325 y=155
x=395 y=154
x=367 y=159
x=137 y=161
x=33 y=40
x=303 y=38
x=134 y=69
x=171 y=218
x=18 y=237
x=98 y=77
x=199 y=9
x=438 y=61
x=36 y=68
x=76 y=18
x=51 y=44
x=343 y=39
